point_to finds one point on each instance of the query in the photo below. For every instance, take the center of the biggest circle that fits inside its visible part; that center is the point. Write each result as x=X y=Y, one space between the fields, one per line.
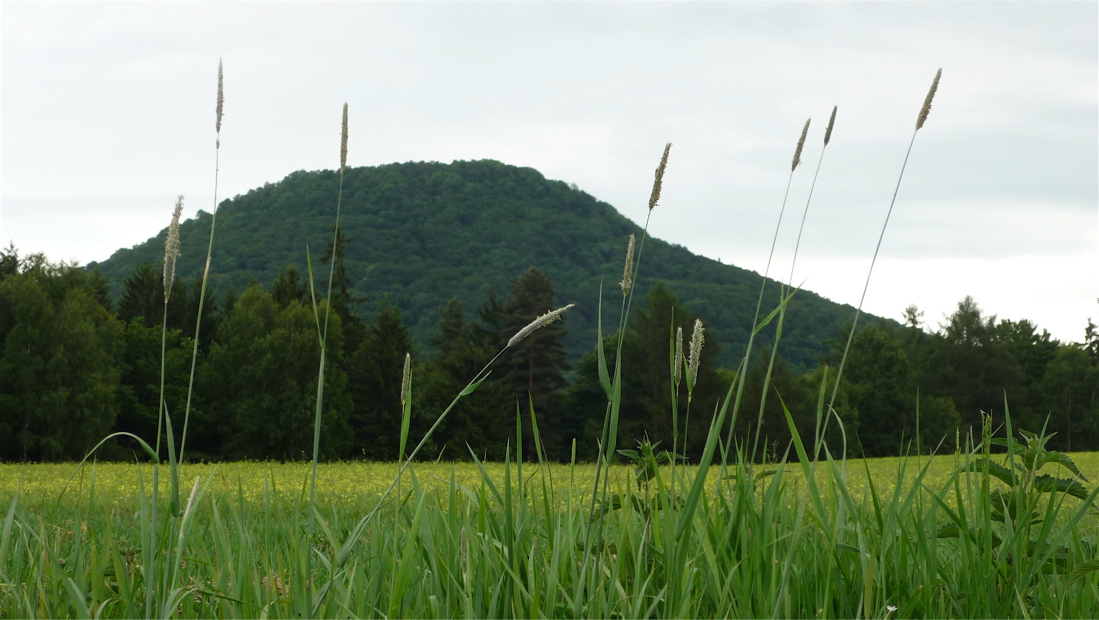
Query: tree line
x=76 y=365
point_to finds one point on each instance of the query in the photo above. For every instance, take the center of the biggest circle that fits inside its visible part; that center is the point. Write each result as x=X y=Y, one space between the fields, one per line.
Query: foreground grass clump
x=510 y=540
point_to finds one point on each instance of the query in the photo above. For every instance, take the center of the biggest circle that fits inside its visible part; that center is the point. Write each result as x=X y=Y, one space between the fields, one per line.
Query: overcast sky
x=107 y=113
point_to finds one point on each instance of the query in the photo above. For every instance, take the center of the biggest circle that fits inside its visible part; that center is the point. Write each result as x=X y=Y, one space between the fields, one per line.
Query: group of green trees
x=76 y=365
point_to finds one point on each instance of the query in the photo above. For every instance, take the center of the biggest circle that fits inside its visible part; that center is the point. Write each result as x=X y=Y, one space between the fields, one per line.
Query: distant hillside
x=425 y=232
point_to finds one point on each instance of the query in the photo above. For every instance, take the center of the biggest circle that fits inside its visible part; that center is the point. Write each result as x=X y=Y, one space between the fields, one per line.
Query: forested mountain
x=420 y=234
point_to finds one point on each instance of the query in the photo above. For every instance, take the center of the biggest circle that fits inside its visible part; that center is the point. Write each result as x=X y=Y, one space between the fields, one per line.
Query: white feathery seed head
x=627 y=274
x=537 y=323
x=697 y=339
x=677 y=371
x=171 y=249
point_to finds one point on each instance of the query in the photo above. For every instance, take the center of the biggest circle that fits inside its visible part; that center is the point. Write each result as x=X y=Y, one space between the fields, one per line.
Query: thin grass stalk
x=812 y=186
x=171 y=253
x=171 y=250
x=206 y=270
x=345 y=551
x=609 y=434
x=629 y=278
x=739 y=384
x=767 y=380
x=877 y=248
x=327 y=314
x=676 y=361
x=763 y=285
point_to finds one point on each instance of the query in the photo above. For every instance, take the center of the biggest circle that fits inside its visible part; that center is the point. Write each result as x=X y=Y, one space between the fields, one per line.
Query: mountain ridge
x=423 y=232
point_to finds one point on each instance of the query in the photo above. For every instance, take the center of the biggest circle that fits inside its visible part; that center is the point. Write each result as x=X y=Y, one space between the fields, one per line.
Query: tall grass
x=996 y=539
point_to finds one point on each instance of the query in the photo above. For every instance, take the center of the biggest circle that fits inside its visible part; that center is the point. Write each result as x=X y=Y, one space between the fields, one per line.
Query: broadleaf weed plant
x=1021 y=530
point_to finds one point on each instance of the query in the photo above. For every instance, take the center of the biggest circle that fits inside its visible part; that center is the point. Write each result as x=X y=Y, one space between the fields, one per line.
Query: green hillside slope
x=425 y=232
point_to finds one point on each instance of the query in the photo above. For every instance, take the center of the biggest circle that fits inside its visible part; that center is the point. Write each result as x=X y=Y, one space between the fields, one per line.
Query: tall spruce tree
x=376 y=372
x=479 y=421
x=143 y=296
x=534 y=369
x=343 y=301
x=290 y=286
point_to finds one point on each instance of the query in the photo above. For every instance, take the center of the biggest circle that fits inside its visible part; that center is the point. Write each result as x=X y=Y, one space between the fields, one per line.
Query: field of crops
x=470 y=540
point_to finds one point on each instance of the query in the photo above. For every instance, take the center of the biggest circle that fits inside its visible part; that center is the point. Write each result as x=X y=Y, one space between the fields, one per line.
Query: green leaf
x=601 y=356
x=1049 y=484
x=1063 y=460
x=995 y=469
x=950 y=530
x=1081 y=569
x=766 y=320
x=472 y=387
x=76 y=598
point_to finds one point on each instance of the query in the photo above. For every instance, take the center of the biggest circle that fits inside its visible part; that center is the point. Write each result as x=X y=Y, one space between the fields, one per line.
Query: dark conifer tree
x=479 y=421
x=290 y=286
x=534 y=370
x=376 y=371
x=343 y=301
x=143 y=296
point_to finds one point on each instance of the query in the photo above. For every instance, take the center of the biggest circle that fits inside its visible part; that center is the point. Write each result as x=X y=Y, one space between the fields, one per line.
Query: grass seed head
x=677 y=371
x=801 y=143
x=831 y=123
x=343 y=140
x=697 y=339
x=627 y=274
x=537 y=323
x=659 y=180
x=406 y=380
x=926 y=109
x=171 y=249
x=221 y=101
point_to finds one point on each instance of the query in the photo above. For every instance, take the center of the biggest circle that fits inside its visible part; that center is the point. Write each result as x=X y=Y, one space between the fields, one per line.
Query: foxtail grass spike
x=659 y=180
x=406 y=377
x=926 y=109
x=677 y=372
x=831 y=123
x=343 y=141
x=171 y=249
x=627 y=273
x=697 y=339
x=221 y=103
x=801 y=143
x=537 y=323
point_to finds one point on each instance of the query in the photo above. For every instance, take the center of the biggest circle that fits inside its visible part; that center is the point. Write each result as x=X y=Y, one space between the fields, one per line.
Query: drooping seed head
x=926 y=109
x=659 y=180
x=406 y=380
x=627 y=274
x=831 y=123
x=537 y=323
x=697 y=339
x=677 y=372
x=221 y=100
x=343 y=140
x=171 y=250
x=801 y=143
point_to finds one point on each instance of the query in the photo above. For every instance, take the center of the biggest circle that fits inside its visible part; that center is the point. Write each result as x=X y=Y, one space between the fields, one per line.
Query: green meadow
x=527 y=540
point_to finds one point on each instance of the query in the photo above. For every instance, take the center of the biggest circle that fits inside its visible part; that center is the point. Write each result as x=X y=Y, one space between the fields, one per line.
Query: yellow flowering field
x=348 y=484
x=360 y=484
